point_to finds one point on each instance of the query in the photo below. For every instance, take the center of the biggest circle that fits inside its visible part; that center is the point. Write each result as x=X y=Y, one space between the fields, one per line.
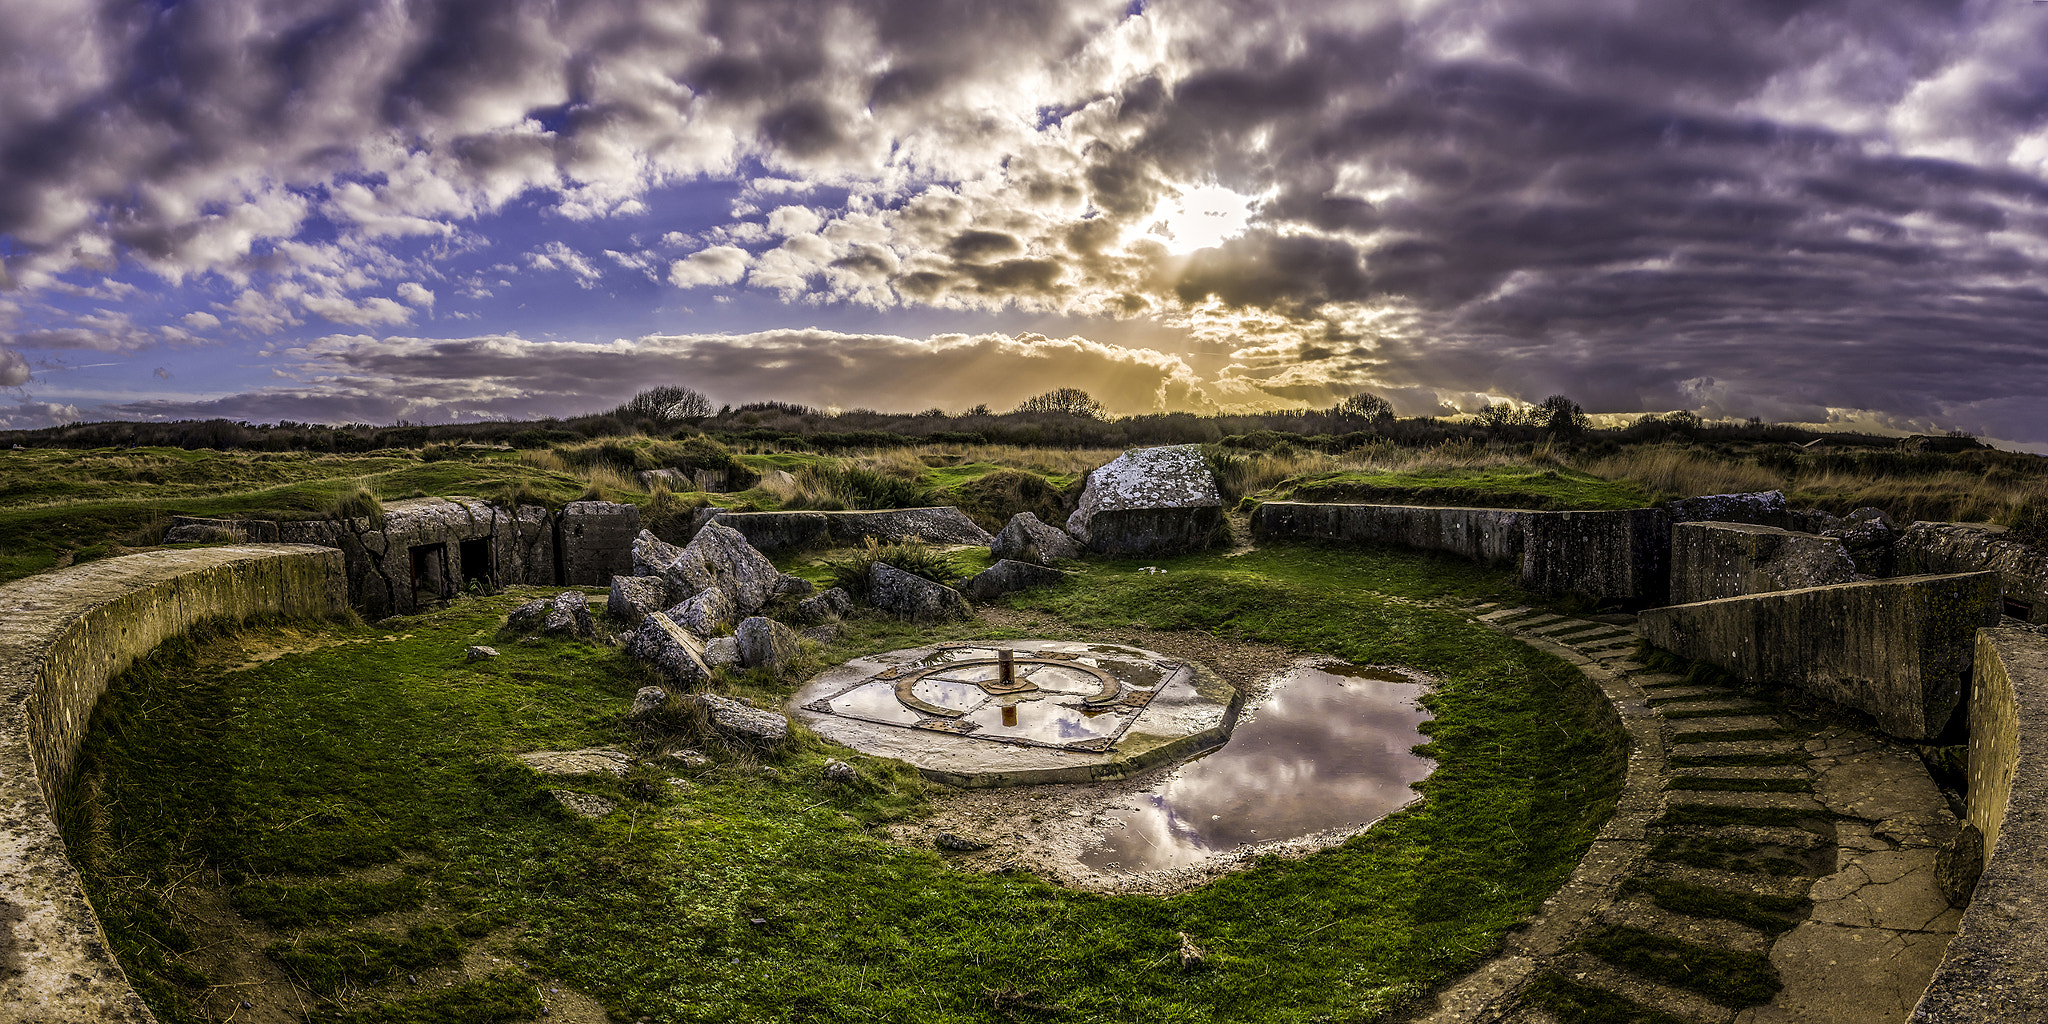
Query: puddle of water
x=1045 y=720
x=947 y=693
x=1326 y=747
x=875 y=701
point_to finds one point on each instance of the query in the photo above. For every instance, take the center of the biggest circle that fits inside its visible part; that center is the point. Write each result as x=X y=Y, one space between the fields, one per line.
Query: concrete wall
x=595 y=542
x=1481 y=534
x=63 y=635
x=1971 y=547
x=1897 y=649
x=1996 y=969
x=1716 y=560
x=778 y=531
x=1623 y=556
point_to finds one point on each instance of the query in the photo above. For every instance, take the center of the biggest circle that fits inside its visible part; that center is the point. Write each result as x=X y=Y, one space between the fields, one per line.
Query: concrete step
x=1738 y=882
x=1501 y=613
x=1691 y=1006
x=1724 y=748
x=1743 y=771
x=1658 y=680
x=1754 y=801
x=1680 y=694
x=1569 y=627
x=1532 y=622
x=1726 y=723
x=1639 y=912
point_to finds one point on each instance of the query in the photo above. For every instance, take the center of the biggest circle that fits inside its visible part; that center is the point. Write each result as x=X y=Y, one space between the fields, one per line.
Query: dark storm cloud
x=1754 y=207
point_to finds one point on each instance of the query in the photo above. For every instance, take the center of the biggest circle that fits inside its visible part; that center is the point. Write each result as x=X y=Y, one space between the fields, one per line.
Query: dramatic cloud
x=1789 y=210
x=13 y=369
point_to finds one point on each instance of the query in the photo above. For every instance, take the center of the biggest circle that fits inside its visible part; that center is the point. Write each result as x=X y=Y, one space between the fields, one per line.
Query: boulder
x=822 y=635
x=958 y=843
x=1007 y=576
x=589 y=761
x=827 y=606
x=720 y=557
x=633 y=597
x=647 y=700
x=1149 y=501
x=766 y=643
x=673 y=479
x=651 y=554
x=705 y=614
x=1026 y=539
x=722 y=651
x=840 y=771
x=480 y=653
x=529 y=614
x=1868 y=534
x=670 y=648
x=569 y=613
x=582 y=805
x=743 y=721
x=913 y=597
x=1759 y=508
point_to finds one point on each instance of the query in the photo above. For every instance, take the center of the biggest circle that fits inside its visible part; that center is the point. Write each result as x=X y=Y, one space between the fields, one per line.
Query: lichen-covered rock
x=589 y=761
x=670 y=648
x=743 y=721
x=647 y=700
x=529 y=614
x=821 y=635
x=1007 y=576
x=583 y=805
x=1928 y=547
x=722 y=651
x=1026 y=539
x=651 y=554
x=1759 y=508
x=705 y=614
x=839 y=771
x=569 y=613
x=632 y=597
x=1149 y=501
x=958 y=843
x=766 y=643
x=827 y=606
x=480 y=653
x=913 y=597
x=720 y=557
x=795 y=586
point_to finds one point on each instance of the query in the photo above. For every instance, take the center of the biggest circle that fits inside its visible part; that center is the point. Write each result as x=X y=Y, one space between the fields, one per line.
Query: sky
x=1816 y=211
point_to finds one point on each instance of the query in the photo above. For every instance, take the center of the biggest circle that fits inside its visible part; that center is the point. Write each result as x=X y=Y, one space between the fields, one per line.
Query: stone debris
x=1026 y=539
x=1761 y=508
x=958 y=843
x=913 y=597
x=766 y=643
x=1149 y=500
x=670 y=648
x=592 y=761
x=569 y=613
x=689 y=758
x=822 y=635
x=527 y=615
x=1007 y=576
x=720 y=557
x=1191 y=955
x=583 y=805
x=647 y=700
x=743 y=721
x=827 y=606
x=632 y=597
x=840 y=771
x=705 y=613
x=651 y=554
x=480 y=653
x=722 y=651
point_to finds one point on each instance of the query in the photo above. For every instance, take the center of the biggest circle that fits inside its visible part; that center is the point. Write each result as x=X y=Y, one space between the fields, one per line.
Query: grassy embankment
x=758 y=891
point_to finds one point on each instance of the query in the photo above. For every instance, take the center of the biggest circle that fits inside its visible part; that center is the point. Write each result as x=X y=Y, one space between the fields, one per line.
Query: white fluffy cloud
x=717 y=265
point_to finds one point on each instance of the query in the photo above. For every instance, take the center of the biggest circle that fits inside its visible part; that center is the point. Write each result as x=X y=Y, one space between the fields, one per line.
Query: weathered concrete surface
x=1996 y=970
x=595 y=540
x=1194 y=709
x=1623 y=556
x=1481 y=534
x=779 y=531
x=1899 y=650
x=63 y=635
x=1715 y=560
x=1007 y=576
x=1971 y=547
x=914 y=597
x=1759 y=508
x=1026 y=539
x=1149 y=501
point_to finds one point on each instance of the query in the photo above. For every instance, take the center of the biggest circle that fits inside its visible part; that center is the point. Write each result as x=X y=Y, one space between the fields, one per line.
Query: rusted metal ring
x=907 y=683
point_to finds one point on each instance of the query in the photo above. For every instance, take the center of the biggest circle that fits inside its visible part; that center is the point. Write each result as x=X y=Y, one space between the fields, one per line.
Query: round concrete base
x=1064 y=712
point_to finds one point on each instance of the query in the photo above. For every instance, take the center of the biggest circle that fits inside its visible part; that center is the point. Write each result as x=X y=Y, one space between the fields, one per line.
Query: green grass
x=308 y=767
x=1492 y=487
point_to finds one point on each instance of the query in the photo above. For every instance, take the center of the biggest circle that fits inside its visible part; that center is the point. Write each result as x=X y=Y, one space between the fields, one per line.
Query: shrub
x=993 y=498
x=831 y=488
x=360 y=503
x=852 y=572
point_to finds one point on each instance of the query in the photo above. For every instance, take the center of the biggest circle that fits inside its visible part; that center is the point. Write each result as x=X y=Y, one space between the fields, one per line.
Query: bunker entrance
x=476 y=561
x=430 y=572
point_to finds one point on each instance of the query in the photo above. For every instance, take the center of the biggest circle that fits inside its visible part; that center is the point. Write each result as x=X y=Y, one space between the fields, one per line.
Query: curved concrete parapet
x=63 y=635
x=1997 y=967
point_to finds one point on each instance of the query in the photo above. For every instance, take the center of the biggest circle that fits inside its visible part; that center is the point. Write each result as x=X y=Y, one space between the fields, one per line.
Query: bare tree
x=667 y=403
x=1561 y=416
x=1072 y=401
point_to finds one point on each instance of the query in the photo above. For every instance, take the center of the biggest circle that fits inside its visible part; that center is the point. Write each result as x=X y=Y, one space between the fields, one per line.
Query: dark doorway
x=476 y=562
x=2021 y=610
x=430 y=573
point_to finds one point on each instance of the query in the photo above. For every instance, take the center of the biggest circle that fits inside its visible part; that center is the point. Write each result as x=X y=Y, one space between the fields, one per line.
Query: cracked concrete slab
x=1838 y=975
